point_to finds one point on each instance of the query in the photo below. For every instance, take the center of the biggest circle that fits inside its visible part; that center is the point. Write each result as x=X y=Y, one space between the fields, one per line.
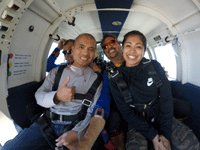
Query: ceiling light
x=116 y=23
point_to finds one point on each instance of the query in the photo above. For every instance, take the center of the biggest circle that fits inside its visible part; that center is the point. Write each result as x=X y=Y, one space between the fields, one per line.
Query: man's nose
x=110 y=46
x=85 y=51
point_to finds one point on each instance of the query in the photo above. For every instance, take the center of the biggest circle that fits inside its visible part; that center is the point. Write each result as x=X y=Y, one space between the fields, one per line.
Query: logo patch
x=149 y=82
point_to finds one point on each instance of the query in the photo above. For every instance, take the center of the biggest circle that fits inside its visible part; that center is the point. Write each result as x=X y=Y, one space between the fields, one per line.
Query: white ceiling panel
x=41 y=8
x=69 y=4
x=86 y=22
x=174 y=10
x=144 y=23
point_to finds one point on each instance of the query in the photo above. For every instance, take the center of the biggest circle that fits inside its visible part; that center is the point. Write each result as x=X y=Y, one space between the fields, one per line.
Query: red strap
x=109 y=146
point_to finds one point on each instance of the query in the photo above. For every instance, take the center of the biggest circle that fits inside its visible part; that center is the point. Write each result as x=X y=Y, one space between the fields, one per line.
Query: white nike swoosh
x=149 y=83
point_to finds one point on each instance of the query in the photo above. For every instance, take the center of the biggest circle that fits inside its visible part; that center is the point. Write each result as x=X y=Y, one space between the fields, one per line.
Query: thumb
x=67 y=80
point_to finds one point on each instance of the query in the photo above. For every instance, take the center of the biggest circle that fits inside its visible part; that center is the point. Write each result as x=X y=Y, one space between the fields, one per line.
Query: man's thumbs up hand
x=65 y=93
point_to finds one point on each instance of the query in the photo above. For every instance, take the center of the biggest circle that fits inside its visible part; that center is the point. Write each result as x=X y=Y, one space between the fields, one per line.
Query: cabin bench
x=190 y=93
x=19 y=100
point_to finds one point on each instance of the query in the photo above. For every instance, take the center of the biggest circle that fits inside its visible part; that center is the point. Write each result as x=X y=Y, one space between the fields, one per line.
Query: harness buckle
x=61 y=120
x=86 y=102
x=132 y=105
x=145 y=62
x=115 y=74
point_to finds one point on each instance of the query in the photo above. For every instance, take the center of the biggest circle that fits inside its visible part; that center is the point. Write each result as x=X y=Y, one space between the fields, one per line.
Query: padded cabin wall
x=190 y=50
x=5 y=42
x=24 y=47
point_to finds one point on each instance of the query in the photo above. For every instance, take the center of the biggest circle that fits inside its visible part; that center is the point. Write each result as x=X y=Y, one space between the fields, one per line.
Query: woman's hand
x=158 y=145
x=165 y=142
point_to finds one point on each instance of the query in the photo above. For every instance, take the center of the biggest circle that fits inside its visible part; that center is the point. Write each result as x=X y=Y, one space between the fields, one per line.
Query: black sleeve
x=166 y=103
x=135 y=121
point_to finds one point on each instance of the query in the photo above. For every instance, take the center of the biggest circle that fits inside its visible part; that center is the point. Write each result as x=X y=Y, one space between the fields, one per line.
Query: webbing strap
x=47 y=131
x=87 y=101
x=58 y=76
x=122 y=85
x=87 y=98
x=119 y=80
x=123 y=88
x=152 y=72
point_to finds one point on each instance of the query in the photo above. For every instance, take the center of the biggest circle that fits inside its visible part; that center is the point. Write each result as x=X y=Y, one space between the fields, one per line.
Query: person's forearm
x=95 y=127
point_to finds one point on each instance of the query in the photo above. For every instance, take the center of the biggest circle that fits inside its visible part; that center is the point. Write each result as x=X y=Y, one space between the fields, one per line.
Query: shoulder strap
x=152 y=72
x=119 y=80
x=58 y=76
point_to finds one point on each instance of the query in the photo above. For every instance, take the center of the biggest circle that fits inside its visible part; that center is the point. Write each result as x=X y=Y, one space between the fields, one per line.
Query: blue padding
x=107 y=17
x=190 y=93
x=177 y=89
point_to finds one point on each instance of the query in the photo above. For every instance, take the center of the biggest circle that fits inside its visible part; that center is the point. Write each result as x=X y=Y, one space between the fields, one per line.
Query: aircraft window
x=61 y=57
x=166 y=56
x=105 y=58
x=146 y=55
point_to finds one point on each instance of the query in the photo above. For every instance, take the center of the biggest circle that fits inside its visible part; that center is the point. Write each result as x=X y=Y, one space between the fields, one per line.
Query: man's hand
x=165 y=142
x=158 y=145
x=68 y=139
x=95 y=68
x=61 y=44
x=166 y=72
x=65 y=93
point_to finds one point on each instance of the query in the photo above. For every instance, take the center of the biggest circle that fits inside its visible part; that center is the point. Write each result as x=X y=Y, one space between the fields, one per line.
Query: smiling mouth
x=111 y=51
x=131 y=57
x=84 y=59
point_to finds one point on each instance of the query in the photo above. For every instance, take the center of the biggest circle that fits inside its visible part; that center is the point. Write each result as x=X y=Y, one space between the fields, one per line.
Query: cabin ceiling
x=93 y=16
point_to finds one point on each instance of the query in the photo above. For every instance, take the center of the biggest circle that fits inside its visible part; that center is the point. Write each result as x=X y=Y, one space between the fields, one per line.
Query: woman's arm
x=166 y=107
x=128 y=113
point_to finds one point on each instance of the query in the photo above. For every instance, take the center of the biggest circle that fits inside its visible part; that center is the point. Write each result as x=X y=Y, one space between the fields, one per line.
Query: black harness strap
x=87 y=101
x=123 y=88
x=122 y=85
x=118 y=78
x=58 y=76
x=87 y=98
x=152 y=72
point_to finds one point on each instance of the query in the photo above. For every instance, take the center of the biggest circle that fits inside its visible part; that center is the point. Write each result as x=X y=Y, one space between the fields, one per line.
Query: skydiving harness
x=122 y=85
x=87 y=100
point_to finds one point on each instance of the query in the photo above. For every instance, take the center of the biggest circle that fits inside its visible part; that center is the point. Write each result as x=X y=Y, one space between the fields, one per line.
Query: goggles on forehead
x=69 y=51
x=111 y=42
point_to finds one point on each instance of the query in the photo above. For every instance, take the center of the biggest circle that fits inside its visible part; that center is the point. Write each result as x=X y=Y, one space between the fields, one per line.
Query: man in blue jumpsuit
x=66 y=45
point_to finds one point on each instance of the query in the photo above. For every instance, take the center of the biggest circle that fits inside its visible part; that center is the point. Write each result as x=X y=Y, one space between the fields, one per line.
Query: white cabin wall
x=26 y=44
x=190 y=50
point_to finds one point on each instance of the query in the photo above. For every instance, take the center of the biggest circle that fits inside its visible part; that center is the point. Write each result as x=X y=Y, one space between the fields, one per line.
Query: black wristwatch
x=99 y=113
